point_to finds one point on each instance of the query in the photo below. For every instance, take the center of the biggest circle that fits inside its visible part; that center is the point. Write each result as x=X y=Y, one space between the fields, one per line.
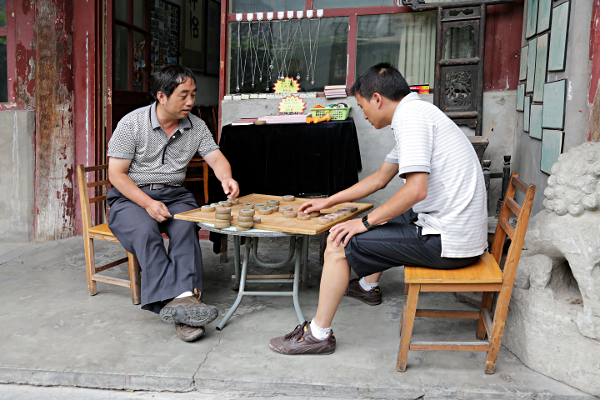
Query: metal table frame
x=298 y=247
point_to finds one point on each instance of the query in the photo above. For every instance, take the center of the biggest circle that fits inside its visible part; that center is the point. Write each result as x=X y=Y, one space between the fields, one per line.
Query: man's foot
x=189 y=333
x=189 y=311
x=371 y=297
x=301 y=341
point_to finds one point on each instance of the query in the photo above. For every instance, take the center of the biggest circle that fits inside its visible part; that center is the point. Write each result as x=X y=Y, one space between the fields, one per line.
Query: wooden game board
x=276 y=221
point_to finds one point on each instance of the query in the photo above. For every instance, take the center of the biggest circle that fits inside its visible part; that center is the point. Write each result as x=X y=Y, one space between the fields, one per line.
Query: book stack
x=420 y=89
x=244 y=121
x=335 y=91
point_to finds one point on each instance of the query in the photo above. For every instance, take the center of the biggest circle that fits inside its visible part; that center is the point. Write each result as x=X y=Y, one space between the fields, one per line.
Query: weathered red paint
x=55 y=138
x=593 y=122
x=223 y=59
x=503 y=46
x=87 y=106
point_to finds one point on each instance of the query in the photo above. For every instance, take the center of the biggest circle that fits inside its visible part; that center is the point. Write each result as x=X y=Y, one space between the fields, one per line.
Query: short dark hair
x=168 y=78
x=382 y=78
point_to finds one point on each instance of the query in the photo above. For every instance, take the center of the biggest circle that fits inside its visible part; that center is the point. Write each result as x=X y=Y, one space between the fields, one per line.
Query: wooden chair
x=482 y=276
x=208 y=116
x=101 y=232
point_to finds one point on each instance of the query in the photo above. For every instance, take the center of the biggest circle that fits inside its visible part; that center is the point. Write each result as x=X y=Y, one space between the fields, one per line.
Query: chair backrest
x=516 y=234
x=100 y=187
x=208 y=115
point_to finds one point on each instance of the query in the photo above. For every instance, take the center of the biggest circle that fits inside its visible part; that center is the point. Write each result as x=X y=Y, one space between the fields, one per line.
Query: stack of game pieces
x=246 y=219
x=222 y=217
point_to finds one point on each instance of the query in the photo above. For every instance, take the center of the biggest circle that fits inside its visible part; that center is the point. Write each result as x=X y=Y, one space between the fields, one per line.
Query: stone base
x=541 y=331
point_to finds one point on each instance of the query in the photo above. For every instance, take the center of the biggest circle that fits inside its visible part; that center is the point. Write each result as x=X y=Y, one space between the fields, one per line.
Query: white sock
x=184 y=294
x=366 y=286
x=317 y=332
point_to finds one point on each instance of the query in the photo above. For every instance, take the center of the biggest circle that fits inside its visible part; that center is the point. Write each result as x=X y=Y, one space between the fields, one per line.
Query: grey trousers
x=164 y=275
x=398 y=242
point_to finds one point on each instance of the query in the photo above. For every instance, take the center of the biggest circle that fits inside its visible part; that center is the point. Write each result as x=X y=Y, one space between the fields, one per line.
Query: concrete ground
x=54 y=334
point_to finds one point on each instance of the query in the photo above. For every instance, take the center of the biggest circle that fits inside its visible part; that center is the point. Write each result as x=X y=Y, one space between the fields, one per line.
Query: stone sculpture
x=553 y=324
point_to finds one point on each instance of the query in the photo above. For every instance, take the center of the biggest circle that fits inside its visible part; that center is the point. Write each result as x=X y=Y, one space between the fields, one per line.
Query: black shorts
x=398 y=242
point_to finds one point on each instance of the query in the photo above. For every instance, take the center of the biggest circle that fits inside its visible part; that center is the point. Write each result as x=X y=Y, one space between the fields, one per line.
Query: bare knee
x=334 y=252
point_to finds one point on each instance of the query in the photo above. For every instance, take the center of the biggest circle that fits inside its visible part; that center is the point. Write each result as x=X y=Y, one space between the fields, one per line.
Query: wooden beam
x=113 y=281
x=447 y=314
x=449 y=346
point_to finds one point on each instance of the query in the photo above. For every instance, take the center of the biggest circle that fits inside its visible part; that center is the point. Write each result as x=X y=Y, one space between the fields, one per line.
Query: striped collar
x=184 y=123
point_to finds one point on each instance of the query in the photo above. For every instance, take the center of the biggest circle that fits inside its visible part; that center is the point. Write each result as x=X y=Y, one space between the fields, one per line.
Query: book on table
x=244 y=121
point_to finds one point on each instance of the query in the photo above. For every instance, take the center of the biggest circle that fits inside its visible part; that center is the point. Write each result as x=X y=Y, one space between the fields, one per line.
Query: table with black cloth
x=296 y=159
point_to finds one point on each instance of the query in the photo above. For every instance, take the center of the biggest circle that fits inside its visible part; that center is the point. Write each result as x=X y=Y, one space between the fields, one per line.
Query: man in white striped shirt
x=438 y=218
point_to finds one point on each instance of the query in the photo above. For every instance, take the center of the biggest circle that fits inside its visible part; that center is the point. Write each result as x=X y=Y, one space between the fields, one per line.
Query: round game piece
x=273 y=202
x=323 y=220
x=220 y=224
x=257 y=220
x=223 y=210
x=334 y=217
x=282 y=209
x=234 y=201
x=215 y=205
x=226 y=203
x=290 y=214
x=315 y=214
x=245 y=219
x=246 y=212
x=223 y=217
x=208 y=208
x=303 y=216
x=274 y=208
x=341 y=213
x=239 y=228
x=288 y=198
x=248 y=205
x=265 y=211
x=257 y=206
x=245 y=224
x=352 y=208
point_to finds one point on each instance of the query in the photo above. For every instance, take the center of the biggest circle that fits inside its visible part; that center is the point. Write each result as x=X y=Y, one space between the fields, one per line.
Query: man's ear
x=377 y=99
x=161 y=97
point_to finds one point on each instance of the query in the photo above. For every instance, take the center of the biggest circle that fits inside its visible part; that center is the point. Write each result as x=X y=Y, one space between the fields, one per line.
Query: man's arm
x=117 y=173
x=413 y=191
x=222 y=169
x=367 y=186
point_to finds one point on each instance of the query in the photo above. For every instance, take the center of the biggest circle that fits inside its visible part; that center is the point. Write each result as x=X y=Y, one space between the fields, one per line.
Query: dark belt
x=156 y=186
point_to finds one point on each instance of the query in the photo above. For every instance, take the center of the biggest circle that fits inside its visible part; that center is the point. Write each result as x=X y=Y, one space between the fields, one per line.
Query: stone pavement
x=54 y=334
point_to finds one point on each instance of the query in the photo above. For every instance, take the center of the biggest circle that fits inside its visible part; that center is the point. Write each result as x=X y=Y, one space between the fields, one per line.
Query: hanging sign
x=287 y=85
x=292 y=104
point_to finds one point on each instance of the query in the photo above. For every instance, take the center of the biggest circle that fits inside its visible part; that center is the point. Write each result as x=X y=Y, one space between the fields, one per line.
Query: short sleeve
x=122 y=142
x=392 y=156
x=207 y=143
x=415 y=137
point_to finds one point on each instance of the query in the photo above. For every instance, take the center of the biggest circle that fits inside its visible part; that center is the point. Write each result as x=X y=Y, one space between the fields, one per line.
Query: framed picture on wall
x=526 y=111
x=531 y=58
x=520 y=97
x=523 y=66
x=543 y=19
x=532 y=15
x=540 y=67
x=558 y=37
x=535 y=121
x=552 y=143
x=554 y=104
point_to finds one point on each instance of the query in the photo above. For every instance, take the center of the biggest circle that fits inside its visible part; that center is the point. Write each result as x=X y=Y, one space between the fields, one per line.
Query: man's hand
x=314 y=205
x=346 y=229
x=231 y=188
x=157 y=210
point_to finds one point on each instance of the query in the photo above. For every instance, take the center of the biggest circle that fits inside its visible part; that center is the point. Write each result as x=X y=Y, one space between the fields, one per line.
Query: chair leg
x=90 y=263
x=407 y=325
x=486 y=301
x=497 y=331
x=205 y=177
x=403 y=313
x=133 y=268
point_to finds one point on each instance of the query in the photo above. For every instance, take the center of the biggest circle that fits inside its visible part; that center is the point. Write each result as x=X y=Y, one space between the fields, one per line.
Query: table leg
x=300 y=243
x=305 y=240
x=241 y=293
x=236 y=257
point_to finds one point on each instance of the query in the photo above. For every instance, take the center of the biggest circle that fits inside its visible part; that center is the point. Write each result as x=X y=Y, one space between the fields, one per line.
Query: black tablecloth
x=297 y=159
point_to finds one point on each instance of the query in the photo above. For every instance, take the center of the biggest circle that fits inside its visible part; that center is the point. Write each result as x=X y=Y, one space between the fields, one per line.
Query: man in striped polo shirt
x=437 y=219
x=149 y=152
